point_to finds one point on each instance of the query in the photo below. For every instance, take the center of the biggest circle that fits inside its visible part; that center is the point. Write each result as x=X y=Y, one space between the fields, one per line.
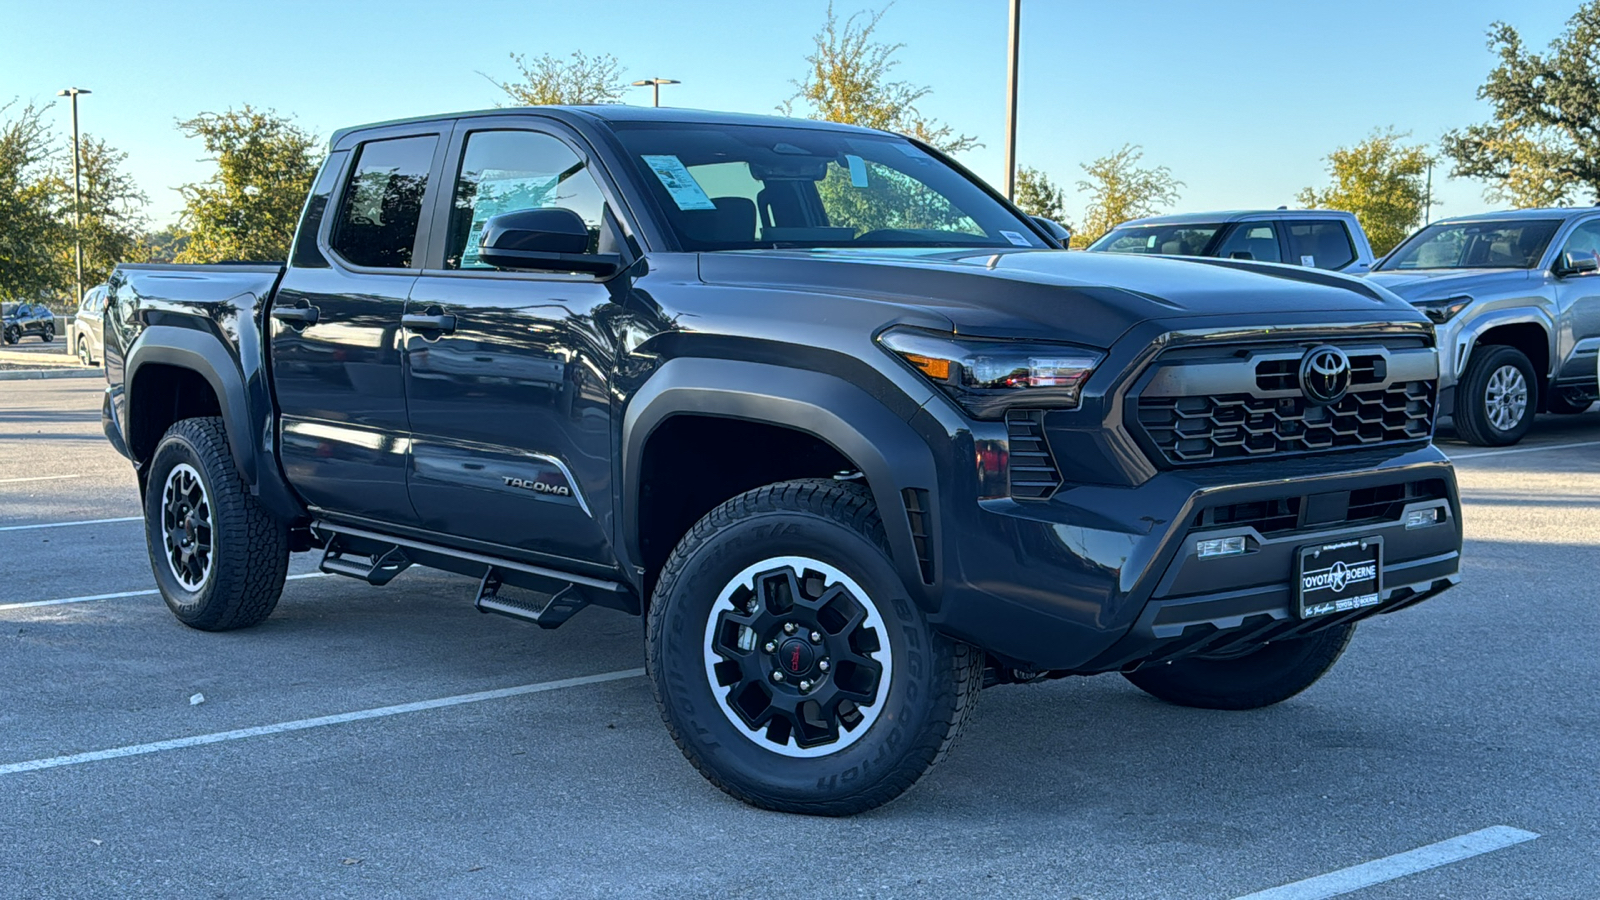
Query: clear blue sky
x=1242 y=99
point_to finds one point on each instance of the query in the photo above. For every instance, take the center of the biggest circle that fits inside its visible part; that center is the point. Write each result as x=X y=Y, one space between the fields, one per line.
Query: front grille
x=1281 y=515
x=1246 y=403
x=1034 y=475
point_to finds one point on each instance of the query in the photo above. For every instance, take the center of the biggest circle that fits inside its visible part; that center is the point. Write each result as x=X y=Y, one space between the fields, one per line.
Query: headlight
x=1442 y=311
x=987 y=377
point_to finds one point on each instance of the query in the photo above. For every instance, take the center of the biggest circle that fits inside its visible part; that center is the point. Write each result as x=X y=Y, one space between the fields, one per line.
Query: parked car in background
x=1516 y=302
x=18 y=320
x=88 y=333
x=1317 y=238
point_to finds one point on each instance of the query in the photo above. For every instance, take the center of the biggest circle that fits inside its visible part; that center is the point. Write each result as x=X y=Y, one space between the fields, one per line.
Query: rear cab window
x=1320 y=244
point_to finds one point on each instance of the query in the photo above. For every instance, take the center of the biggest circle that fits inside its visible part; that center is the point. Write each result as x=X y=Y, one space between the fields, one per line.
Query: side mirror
x=1578 y=264
x=1061 y=233
x=548 y=240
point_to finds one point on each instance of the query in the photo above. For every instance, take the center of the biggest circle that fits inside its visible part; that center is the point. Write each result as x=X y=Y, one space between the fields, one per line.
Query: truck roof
x=1548 y=212
x=618 y=112
x=1235 y=215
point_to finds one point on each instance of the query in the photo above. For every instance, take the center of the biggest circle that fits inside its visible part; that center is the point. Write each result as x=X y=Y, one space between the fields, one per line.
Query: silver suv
x=1516 y=302
x=1319 y=238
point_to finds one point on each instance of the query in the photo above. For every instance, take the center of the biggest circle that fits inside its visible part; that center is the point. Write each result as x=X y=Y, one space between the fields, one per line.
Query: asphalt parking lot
x=303 y=772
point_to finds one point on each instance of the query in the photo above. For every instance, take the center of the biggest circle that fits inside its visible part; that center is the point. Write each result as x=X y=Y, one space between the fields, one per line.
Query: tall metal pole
x=1011 y=100
x=1427 y=211
x=77 y=192
x=655 y=85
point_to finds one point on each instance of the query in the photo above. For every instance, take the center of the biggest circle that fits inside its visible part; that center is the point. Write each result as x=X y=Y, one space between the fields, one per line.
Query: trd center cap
x=796 y=657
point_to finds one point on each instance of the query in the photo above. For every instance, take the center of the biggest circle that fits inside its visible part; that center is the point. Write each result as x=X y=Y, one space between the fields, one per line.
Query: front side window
x=1511 y=244
x=1164 y=240
x=1256 y=241
x=1584 y=243
x=506 y=171
x=1320 y=245
x=382 y=203
x=740 y=187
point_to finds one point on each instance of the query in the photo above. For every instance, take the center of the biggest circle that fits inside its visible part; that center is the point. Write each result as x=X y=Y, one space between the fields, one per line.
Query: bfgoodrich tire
x=790 y=665
x=1272 y=674
x=219 y=558
x=1497 y=397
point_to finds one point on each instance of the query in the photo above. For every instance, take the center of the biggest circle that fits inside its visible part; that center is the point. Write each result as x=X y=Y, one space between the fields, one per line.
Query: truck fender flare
x=1467 y=339
x=888 y=452
x=206 y=355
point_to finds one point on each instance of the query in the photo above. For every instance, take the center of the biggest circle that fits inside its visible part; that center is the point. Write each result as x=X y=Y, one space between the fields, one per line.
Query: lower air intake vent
x=1033 y=470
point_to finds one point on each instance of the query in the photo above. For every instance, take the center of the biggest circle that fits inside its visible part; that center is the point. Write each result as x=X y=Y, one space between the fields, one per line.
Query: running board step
x=375 y=569
x=549 y=612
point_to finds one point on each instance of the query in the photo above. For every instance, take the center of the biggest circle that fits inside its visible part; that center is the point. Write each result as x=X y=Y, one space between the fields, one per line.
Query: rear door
x=508 y=374
x=336 y=354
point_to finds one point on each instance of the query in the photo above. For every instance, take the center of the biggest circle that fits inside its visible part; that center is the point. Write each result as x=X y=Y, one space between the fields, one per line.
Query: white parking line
x=37 y=478
x=33 y=765
x=117 y=596
x=1400 y=865
x=1455 y=457
x=68 y=524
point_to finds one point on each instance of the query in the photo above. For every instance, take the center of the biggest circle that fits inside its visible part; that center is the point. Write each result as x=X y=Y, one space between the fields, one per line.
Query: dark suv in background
x=18 y=320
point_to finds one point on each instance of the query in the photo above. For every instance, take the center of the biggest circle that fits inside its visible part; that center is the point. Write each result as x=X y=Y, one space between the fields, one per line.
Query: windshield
x=1516 y=244
x=743 y=187
x=1168 y=240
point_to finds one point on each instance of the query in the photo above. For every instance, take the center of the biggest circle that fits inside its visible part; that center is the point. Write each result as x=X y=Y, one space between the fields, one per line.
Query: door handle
x=439 y=324
x=298 y=315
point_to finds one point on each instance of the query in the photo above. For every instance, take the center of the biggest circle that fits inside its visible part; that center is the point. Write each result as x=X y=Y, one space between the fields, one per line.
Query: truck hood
x=1439 y=284
x=1089 y=298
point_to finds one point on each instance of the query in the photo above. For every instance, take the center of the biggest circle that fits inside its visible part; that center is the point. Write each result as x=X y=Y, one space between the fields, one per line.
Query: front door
x=508 y=373
x=336 y=353
x=1578 y=308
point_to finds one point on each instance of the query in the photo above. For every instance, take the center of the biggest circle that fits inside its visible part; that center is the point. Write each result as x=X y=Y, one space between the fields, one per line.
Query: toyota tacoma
x=851 y=432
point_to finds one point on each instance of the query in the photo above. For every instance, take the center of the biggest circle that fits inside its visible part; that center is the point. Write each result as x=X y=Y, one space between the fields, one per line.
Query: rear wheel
x=1496 y=398
x=1271 y=674
x=1569 y=401
x=789 y=663
x=219 y=559
x=48 y=334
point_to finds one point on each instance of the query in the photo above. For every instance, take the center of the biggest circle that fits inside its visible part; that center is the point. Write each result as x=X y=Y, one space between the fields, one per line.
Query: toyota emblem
x=1324 y=375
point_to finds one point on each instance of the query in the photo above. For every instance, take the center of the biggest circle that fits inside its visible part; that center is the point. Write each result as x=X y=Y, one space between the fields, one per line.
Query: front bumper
x=1102 y=578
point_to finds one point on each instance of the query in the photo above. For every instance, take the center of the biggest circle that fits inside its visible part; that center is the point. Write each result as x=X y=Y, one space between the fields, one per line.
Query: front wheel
x=11 y=335
x=1270 y=674
x=219 y=559
x=790 y=665
x=1496 y=399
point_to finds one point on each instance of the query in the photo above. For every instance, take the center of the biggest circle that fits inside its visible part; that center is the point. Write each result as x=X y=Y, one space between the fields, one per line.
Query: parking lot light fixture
x=655 y=87
x=77 y=191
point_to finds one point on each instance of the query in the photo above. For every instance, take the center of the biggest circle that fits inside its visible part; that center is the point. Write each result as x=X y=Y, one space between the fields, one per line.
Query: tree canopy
x=1120 y=189
x=249 y=209
x=850 y=82
x=112 y=212
x=1379 y=179
x=1541 y=146
x=574 y=80
x=31 y=229
x=1037 y=195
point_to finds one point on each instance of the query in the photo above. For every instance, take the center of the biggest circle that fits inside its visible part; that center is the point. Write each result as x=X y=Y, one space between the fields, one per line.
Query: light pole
x=77 y=191
x=655 y=87
x=1011 y=99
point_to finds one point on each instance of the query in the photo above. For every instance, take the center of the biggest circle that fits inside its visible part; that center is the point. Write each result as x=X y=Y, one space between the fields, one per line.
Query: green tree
x=161 y=246
x=572 y=81
x=1120 y=189
x=1037 y=195
x=31 y=230
x=1541 y=146
x=849 y=82
x=1379 y=179
x=112 y=214
x=249 y=208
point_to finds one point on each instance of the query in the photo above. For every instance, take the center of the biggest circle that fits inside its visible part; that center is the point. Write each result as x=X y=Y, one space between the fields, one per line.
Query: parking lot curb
x=29 y=374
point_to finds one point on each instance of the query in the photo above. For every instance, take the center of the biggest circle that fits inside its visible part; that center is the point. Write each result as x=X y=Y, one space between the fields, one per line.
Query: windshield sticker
x=858 y=170
x=685 y=191
x=1308 y=261
x=1015 y=238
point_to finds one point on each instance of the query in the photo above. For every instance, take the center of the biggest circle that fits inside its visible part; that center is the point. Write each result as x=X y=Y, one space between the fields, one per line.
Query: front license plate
x=1336 y=578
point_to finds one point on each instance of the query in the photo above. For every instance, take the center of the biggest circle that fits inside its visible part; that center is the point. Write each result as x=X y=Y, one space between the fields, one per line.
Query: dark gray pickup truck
x=851 y=431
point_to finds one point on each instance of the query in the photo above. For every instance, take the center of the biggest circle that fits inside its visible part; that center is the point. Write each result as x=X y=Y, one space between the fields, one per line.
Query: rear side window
x=1320 y=245
x=1256 y=241
x=377 y=223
